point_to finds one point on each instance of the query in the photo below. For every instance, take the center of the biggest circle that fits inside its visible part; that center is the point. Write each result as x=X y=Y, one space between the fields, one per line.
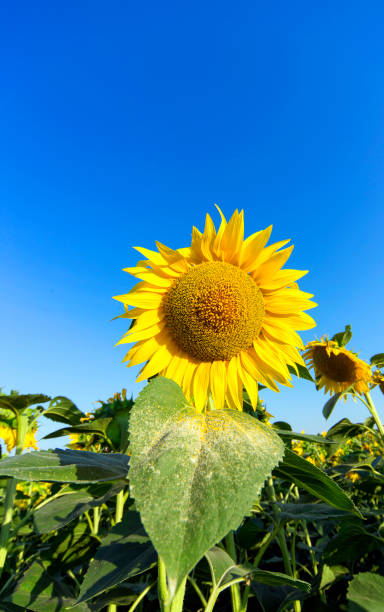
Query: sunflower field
x=191 y=496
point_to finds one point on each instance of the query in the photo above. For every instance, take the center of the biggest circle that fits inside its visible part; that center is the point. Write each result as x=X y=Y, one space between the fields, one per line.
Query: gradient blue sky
x=122 y=123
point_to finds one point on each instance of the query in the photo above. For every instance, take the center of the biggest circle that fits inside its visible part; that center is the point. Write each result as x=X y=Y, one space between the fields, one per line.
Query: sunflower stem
x=22 y=428
x=373 y=411
x=280 y=536
x=166 y=604
x=235 y=588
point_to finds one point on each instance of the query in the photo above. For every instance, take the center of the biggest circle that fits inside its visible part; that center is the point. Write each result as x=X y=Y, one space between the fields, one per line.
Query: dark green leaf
x=62 y=510
x=378 y=359
x=20 y=402
x=294 y=435
x=98 y=426
x=125 y=552
x=366 y=593
x=38 y=591
x=351 y=543
x=315 y=481
x=303 y=372
x=342 y=338
x=66 y=466
x=309 y=512
x=224 y=570
x=63 y=410
x=200 y=471
x=330 y=404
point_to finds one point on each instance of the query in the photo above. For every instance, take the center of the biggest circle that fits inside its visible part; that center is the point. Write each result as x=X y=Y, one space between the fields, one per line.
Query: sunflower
x=336 y=368
x=378 y=379
x=9 y=436
x=217 y=316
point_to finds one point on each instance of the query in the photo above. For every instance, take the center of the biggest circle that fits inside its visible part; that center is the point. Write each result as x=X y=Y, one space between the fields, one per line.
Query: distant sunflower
x=337 y=369
x=217 y=316
x=9 y=436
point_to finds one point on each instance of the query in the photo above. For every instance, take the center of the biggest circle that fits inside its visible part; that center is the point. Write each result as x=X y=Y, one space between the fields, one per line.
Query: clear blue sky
x=124 y=122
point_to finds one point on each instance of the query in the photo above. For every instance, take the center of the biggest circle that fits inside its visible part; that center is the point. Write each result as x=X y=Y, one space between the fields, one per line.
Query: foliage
x=152 y=477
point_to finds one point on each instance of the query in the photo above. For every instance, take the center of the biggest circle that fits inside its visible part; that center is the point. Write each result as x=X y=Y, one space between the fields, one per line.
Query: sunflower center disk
x=339 y=368
x=214 y=311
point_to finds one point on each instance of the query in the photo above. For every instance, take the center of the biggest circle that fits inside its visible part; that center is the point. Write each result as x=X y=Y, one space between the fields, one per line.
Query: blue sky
x=123 y=123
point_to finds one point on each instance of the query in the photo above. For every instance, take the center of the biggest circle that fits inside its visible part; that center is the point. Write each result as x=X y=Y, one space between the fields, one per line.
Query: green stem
x=96 y=519
x=22 y=428
x=198 y=591
x=373 y=411
x=119 y=506
x=235 y=588
x=141 y=597
x=166 y=604
x=162 y=588
x=281 y=539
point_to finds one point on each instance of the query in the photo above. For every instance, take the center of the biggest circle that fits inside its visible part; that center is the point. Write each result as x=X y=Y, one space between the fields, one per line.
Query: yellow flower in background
x=337 y=368
x=9 y=435
x=378 y=379
x=352 y=476
x=217 y=316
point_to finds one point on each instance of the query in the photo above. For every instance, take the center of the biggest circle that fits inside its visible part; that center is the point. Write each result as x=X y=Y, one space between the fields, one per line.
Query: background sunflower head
x=219 y=315
x=336 y=368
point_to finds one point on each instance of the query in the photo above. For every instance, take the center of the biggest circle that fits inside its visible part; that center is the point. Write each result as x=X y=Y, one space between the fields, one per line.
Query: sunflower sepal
x=186 y=464
x=342 y=338
x=377 y=360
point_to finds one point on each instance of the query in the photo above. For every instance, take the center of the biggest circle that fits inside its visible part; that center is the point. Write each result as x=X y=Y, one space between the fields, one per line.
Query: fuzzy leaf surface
x=194 y=476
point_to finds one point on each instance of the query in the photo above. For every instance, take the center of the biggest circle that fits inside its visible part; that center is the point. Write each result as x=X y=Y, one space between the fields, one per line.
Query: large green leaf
x=125 y=552
x=66 y=466
x=315 y=481
x=64 y=509
x=194 y=476
x=38 y=591
x=366 y=593
x=63 y=410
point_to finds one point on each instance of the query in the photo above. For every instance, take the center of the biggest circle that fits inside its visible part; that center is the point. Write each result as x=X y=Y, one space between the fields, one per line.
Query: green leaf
x=224 y=570
x=38 y=591
x=366 y=593
x=315 y=481
x=66 y=466
x=20 y=402
x=342 y=338
x=64 y=509
x=70 y=547
x=194 y=476
x=352 y=542
x=98 y=426
x=330 y=404
x=302 y=372
x=63 y=410
x=309 y=512
x=345 y=429
x=378 y=360
x=294 y=435
x=125 y=552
